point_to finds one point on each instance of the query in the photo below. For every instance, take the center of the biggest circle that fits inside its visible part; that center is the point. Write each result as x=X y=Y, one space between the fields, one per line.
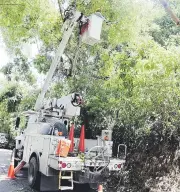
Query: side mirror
x=17 y=123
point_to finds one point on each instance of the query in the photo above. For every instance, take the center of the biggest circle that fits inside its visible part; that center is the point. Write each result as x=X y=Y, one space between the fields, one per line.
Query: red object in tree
x=84 y=27
x=71 y=138
x=82 y=140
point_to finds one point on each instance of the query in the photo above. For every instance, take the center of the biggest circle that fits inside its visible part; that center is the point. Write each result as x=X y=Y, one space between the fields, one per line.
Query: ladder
x=69 y=178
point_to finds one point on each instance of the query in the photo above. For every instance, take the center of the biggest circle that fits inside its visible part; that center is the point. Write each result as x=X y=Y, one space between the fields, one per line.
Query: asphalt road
x=19 y=184
x=11 y=185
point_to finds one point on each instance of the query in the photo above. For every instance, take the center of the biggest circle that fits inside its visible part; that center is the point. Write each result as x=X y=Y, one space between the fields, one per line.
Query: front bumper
x=77 y=164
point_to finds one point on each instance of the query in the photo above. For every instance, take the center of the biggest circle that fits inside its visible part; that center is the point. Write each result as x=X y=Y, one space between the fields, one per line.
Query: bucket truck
x=37 y=144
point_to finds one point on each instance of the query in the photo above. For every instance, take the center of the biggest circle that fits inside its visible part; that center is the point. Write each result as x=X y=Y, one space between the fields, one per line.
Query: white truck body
x=39 y=141
x=46 y=146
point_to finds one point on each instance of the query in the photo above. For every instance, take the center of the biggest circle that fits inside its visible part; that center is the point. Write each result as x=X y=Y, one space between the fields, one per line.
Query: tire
x=33 y=173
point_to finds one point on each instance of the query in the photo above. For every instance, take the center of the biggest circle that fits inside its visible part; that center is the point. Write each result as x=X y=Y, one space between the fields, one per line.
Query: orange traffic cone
x=11 y=173
x=19 y=166
x=71 y=138
x=100 y=188
x=81 y=141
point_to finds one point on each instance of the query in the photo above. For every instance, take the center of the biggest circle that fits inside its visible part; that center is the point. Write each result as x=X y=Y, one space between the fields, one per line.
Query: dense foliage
x=130 y=81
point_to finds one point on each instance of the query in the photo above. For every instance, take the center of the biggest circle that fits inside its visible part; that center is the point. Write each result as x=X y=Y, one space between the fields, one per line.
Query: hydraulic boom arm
x=56 y=60
x=90 y=35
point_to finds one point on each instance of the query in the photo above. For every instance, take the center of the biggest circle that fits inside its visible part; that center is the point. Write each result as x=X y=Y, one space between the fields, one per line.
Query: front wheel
x=33 y=173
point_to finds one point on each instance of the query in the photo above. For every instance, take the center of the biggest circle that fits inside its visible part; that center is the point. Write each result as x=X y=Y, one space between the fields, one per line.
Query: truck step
x=65 y=188
x=66 y=177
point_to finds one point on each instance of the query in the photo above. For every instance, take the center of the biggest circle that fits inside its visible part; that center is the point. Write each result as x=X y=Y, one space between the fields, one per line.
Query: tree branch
x=60 y=11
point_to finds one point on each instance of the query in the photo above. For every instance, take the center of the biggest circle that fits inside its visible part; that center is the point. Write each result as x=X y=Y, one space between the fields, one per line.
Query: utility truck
x=47 y=126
